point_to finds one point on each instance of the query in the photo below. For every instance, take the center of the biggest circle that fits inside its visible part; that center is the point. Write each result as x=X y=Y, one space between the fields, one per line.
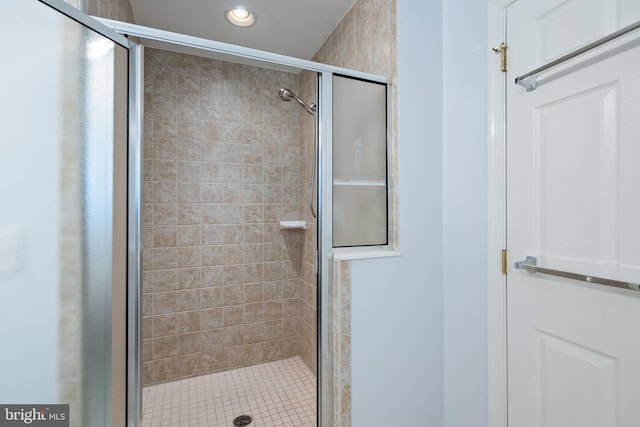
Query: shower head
x=286 y=95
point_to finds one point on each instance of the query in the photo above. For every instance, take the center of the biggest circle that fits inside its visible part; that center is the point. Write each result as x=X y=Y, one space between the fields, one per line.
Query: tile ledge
x=372 y=254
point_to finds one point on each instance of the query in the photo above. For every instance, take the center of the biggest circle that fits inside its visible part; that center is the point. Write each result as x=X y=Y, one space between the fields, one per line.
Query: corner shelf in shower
x=293 y=225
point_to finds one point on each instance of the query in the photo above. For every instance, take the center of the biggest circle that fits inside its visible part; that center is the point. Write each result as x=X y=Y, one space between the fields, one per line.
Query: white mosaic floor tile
x=274 y=394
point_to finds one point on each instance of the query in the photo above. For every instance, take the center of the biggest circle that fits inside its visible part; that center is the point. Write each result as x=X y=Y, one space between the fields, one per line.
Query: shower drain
x=242 y=420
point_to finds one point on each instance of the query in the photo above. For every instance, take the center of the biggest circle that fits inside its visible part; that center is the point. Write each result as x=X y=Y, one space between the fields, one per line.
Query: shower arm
x=311 y=109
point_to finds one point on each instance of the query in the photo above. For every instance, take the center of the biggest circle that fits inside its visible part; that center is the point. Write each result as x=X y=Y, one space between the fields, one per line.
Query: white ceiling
x=290 y=27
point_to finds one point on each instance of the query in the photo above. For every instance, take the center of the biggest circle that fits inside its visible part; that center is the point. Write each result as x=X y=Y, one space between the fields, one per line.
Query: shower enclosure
x=227 y=282
x=227 y=266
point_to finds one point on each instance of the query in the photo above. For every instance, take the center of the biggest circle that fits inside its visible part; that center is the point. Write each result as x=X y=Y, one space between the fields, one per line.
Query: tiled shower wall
x=222 y=168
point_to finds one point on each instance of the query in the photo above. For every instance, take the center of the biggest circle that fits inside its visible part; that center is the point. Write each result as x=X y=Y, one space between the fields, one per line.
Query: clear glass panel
x=56 y=222
x=359 y=162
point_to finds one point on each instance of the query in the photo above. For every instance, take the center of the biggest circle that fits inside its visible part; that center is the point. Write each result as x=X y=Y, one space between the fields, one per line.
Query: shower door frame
x=324 y=193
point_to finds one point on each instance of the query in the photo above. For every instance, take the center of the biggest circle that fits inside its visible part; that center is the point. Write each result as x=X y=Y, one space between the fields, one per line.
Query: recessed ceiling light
x=240 y=17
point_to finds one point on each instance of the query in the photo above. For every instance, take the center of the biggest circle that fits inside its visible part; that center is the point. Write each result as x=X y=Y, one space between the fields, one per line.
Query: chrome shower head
x=286 y=95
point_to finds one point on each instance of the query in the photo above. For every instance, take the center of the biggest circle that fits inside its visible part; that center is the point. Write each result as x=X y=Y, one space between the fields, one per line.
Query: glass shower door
x=63 y=140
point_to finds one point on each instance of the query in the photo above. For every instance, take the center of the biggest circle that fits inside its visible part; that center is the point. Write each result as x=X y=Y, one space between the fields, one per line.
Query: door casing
x=496 y=226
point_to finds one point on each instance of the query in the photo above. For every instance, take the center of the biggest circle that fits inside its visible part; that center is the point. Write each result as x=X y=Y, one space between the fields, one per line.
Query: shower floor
x=274 y=394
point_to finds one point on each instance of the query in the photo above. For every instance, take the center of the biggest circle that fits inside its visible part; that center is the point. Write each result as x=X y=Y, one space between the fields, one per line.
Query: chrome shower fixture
x=286 y=95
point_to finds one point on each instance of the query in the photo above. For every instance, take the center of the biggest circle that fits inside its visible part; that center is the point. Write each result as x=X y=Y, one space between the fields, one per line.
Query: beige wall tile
x=164 y=148
x=147 y=283
x=290 y=289
x=165 y=302
x=213 y=361
x=189 y=214
x=147 y=327
x=188 y=300
x=253 y=312
x=166 y=369
x=190 y=278
x=164 y=214
x=232 y=234
x=189 y=321
x=233 y=315
x=273 y=271
x=212 y=318
x=243 y=355
x=273 y=310
x=290 y=307
x=254 y=332
x=165 y=346
x=233 y=295
x=253 y=273
x=164 y=258
x=273 y=291
x=254 y=292
x=147 y=305
x=190 y=365
x=147 y=373
x=189 y=256
x=211 y=234
x=165 y=236
x=188 y=235
x=233 y=274
x=252 y=253
x=189 y=343
x=189 y=192
x=273 y=329
x=163 y=192
x=232 y=254
x=164 y=325
x=273 y=252
x=291 y=326
x=213 y=276
x=147 y=350
x=212 y=255
x=223 y=167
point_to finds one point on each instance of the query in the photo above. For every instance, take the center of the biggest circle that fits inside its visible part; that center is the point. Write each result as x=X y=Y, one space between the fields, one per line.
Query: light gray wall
x=397 y=329
x=464 y=212
x=419 y=321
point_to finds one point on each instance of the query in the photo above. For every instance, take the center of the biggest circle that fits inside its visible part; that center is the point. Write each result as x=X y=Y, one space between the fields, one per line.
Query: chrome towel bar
x=530 y=265
x=530 y=80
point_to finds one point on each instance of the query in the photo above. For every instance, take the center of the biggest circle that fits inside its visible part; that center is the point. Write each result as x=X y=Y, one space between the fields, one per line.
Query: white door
x=573 y=202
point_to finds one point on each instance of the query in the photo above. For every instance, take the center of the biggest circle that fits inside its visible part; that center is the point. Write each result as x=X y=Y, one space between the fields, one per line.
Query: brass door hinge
x=502 y=50
x=504 y=261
